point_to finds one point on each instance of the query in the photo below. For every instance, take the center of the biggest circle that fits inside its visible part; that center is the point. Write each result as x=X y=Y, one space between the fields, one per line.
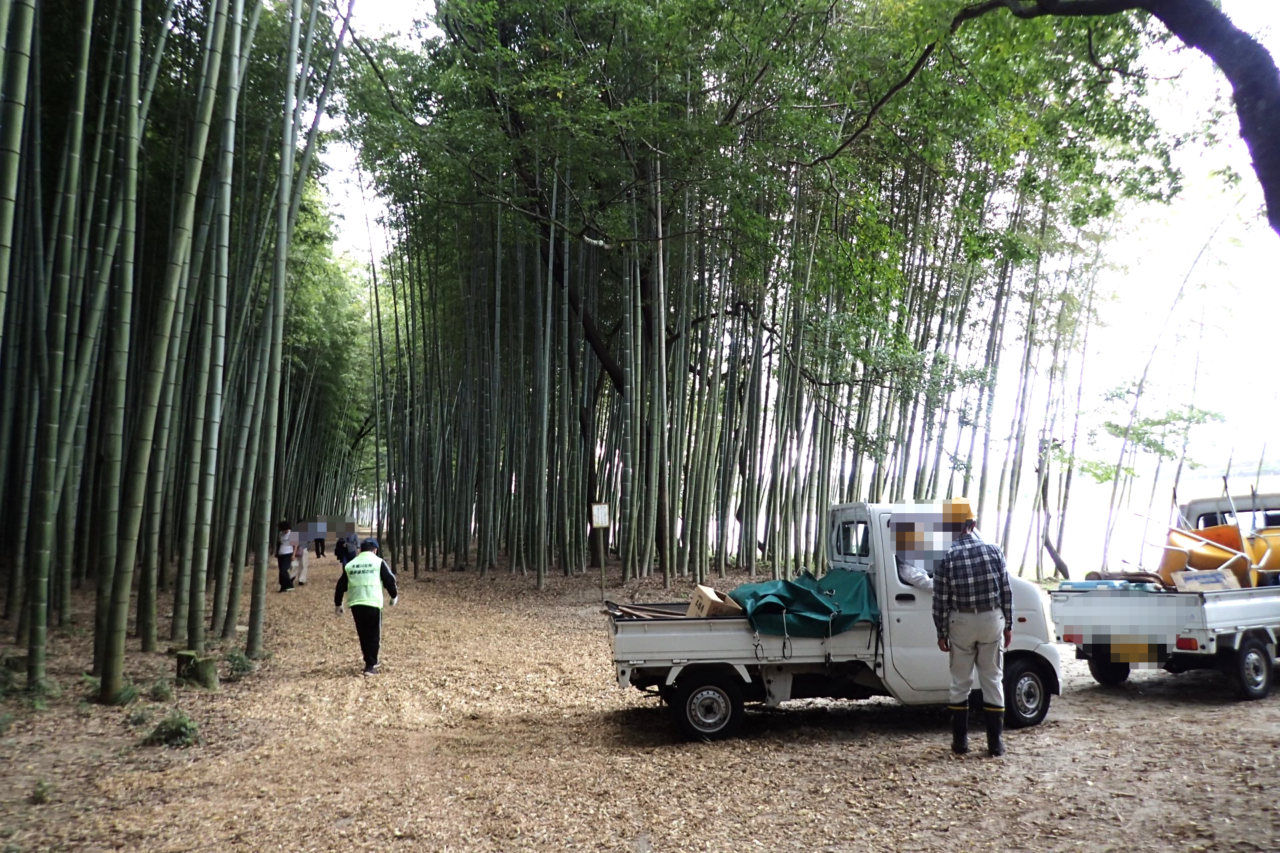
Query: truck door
x=911 y=639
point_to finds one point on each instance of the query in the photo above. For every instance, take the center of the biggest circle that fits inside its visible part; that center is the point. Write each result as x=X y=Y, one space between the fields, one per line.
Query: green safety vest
x=364 y=580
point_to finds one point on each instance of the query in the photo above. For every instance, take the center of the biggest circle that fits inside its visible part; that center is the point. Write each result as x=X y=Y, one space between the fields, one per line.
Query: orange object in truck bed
x=1189 y=551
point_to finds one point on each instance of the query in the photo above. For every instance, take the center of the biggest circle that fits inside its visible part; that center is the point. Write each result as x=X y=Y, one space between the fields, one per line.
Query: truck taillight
x=1075 y=639
x=1188 y=644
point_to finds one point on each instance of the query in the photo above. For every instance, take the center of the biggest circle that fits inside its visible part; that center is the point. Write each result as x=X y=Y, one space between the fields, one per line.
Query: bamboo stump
x=197 y=670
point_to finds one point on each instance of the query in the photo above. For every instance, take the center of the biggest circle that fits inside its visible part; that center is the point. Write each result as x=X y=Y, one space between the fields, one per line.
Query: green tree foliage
x=751 y=272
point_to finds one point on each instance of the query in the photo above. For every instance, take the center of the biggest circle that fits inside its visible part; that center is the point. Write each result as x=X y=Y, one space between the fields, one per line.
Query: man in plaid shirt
x=973 y=612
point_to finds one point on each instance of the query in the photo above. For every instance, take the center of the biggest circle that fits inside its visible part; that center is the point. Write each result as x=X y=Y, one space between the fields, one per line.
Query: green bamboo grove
x=175 y=327
x=715 y=264
x=720 y=266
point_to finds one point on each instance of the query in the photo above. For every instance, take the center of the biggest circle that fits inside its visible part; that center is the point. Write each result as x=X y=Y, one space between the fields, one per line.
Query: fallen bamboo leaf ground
x=497 y=725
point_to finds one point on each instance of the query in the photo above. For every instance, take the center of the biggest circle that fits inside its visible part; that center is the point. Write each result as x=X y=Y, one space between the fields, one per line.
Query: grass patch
x=161 y=691
x=239 y=663
x=41 y=793
x=8 y=681
x=37 y=696
x=140 y=716
x=126 y=695
x=177 y=729
x=47 y=689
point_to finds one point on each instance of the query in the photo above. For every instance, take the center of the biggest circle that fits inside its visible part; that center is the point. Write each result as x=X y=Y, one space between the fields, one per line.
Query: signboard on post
x=599 y=525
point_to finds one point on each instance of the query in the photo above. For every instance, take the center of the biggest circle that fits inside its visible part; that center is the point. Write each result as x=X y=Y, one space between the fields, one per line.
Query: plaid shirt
x=971 y=577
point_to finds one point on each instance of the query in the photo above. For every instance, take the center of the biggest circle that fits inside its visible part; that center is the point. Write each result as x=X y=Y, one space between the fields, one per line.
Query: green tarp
x=813 y=607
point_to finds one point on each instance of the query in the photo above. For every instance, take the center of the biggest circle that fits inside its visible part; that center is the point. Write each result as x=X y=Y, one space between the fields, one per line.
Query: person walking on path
x=973 y=613
x=285 y=540
x=361 y=581
x=302 y=557
x=348 y=536
x=321 y=533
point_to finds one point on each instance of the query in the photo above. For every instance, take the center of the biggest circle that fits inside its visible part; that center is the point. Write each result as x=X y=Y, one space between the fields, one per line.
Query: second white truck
x=1143 y=619
x=707 y=669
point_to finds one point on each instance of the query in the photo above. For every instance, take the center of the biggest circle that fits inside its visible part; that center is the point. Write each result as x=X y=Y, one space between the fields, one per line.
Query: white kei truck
x=1157 y=619
x=706 y=669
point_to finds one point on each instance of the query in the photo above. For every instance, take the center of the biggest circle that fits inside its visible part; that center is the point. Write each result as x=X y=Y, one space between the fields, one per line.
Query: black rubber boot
x=995 y=731
x=959 y=728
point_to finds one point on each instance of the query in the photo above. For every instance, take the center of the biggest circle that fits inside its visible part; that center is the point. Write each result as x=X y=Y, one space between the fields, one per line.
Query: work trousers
x=285 y=562
x=319 y=547
x=369 y=627
x=977 y=639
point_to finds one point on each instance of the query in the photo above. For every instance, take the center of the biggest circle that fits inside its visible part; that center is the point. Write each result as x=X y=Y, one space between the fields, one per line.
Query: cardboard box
x=705 y=601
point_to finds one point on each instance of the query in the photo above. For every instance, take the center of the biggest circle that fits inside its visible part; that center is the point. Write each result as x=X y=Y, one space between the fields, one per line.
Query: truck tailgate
x=1136 y=618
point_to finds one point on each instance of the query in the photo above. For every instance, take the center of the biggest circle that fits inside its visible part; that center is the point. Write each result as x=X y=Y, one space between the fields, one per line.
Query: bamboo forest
x=621 y=296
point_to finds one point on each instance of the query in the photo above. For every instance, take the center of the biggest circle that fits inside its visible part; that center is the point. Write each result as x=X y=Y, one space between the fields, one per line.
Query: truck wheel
x=707 y=706
x=1251 y=670
x=1109 y=673
x=1026 y=694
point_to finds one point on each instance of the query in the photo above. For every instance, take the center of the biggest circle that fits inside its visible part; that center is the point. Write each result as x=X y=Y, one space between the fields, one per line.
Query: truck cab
x=861 y=539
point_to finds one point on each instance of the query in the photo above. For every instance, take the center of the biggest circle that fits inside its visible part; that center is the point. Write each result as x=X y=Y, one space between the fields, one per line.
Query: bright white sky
x=1234 y=282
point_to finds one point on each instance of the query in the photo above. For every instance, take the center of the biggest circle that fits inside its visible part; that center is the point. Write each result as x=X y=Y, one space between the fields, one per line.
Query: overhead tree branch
x=1251 y=70
x=382 y=78
x=1248 y=67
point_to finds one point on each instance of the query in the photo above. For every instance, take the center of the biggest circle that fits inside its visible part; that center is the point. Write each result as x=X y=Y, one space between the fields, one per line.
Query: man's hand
x=337 y=611
x=943 y=645
x=1008 y=637
x=396 y=600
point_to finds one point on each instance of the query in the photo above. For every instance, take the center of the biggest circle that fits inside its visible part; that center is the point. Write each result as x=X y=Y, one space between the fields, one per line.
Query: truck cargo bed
x=661 y=634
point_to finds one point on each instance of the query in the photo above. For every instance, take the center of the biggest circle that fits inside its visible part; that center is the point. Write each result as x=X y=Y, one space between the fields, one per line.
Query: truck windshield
x=1264 y=518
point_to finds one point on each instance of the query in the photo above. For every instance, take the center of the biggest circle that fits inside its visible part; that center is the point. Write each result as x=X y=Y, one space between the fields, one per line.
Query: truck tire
x=1251 y=670
x=1109 y=673
x=707 y=705
x=1026 y=693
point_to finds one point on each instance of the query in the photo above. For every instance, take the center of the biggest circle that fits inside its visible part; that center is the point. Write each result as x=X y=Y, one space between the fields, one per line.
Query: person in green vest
x=361 y=582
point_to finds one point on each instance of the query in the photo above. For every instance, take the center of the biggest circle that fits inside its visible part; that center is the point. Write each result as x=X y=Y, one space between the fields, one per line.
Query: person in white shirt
x=908 y=543
x=285 y=541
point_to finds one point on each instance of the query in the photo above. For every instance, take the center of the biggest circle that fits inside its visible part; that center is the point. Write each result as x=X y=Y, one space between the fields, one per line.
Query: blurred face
x=908 y=539
x=922 y=534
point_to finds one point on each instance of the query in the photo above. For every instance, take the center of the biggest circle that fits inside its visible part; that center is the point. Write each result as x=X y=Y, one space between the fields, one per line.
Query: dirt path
x=497 y=725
